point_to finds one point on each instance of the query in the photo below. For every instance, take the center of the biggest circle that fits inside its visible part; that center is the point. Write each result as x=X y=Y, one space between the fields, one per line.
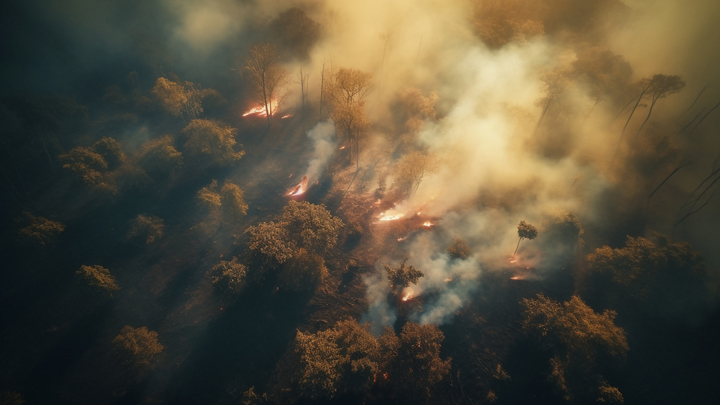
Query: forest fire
x=300 y=189
x=260 y=110
x=389 y=217
x=408 y=295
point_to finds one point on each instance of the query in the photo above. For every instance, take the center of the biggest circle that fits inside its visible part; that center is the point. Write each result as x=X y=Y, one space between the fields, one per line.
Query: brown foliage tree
x=159 y=157
x=232 y=201
x=459 y=249
x=86 y=164
x=228 y=277
x=147 y=227
x=410 y=170
x=402 y=276
x=137 y=347
x=212 y=142
x=40 y=230
x=525 y=231
x=579 y=338
x=98 y=277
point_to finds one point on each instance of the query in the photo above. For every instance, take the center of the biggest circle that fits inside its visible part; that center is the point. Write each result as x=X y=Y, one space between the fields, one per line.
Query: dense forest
x=307 y=201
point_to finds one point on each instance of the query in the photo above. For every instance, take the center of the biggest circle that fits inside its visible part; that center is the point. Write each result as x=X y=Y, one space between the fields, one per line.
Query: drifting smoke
x=322 y=135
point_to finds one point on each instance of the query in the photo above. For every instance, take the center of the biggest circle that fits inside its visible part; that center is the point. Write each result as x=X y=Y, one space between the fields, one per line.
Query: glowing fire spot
x=342 y=147
x=389 y=217
x=447 y=280
x=513 y=260
x=407 y=296
x=516 y=278
x=402 y=239
x=300 y=188
x=418 y=213
x=260 y=111
x=428 y=224
x=286 y=116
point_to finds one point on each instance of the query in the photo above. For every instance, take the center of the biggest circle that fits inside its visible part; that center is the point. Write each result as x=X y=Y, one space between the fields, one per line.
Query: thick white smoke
x=322 y=136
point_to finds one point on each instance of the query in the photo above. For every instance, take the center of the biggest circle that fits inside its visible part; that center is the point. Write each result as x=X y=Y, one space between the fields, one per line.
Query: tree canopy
x=98 y=277
x=40 y=230
x=402 y=276
x=211 y=142
x=137 y=347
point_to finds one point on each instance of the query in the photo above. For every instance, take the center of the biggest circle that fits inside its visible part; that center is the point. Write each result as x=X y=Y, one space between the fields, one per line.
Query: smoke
x=322 y=136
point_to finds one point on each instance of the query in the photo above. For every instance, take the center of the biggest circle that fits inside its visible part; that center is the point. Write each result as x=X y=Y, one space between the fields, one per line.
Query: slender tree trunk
x=265 y=99
x=648 y=116
x=677 y=169
x=543 y=115
x=516 y=248
x=622 y=134
x=695 y=101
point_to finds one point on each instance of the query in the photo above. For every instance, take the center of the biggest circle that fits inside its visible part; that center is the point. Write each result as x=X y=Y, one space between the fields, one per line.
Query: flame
x=402 y=239
x=286 y=116
x=407 y=295
x=300 y=188
x=428 y=224
x=447 y=280
x=513 y=260
x=342 y=147
x=259 y=110
x=389 y=217
x=517 y=278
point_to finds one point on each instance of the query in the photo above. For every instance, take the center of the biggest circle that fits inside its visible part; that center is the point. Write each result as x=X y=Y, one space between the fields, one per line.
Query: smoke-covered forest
x=392 y=202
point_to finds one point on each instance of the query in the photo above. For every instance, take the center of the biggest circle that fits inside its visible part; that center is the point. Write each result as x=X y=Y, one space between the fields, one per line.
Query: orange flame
x=286 y=116
x=447 y=280
x=407 y=295
x=300 y=188
x=428 y=224
x=517 y=278
x=260 y=111
x=389 y=217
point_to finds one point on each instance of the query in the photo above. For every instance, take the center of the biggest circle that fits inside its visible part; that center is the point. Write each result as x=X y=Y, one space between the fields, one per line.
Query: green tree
x=137 y=347
x=40 y=230
x=98 y=277
x=228 y=277
x=402 y=276
x=212 y=142
x=150 y=228
x=580 y=340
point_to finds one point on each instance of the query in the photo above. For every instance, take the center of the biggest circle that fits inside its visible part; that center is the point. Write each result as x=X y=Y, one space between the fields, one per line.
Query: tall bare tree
x=267 y=76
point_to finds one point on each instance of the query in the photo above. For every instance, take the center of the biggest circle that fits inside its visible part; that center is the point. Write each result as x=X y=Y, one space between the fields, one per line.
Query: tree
x=86 y=164
x=661 y=86
x=410 y=170
x=148 y=227
x=272 y=239
x=662 y=277
x=311 y=226
x=99 y=278
x=209 y=197
x=580 y=340
x=295 y=32
x=410 y=110
x=303 y=272
x=459 y=249
x=319 y=370
x=351 y=124
x=525 y=231
x=40 y=230
x=212 y=141
x=228 y=277
x=266 y=76
x=346 y=91
x=111 y=151
x=137 y=347
x=402 y=276
x=182 y=99
x=159 y=157
x=417 y=368
x=232 y=201
x=499 y=22
x=345 y=358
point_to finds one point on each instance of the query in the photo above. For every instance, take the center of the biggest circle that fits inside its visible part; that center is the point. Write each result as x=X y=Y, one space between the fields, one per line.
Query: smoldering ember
x=370 y=202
